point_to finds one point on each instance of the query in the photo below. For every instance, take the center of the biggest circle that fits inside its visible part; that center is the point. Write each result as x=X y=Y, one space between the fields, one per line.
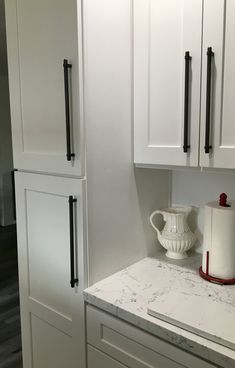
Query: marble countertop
x=129 y=293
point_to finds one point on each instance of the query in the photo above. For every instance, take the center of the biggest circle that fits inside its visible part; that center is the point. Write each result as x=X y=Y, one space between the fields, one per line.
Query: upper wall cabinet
x=168 y=49
x=44 y=58
x=167 y=62
x=218 y=85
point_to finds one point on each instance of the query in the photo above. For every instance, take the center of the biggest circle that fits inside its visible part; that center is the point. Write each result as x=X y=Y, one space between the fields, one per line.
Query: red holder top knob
x=223 y=200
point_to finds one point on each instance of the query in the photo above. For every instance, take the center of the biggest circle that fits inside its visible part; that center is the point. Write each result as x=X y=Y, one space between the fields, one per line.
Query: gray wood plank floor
x=10 y=340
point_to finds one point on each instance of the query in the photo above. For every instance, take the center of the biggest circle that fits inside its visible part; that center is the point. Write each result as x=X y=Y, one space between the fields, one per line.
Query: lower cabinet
x=51 y=254
x=122 y=345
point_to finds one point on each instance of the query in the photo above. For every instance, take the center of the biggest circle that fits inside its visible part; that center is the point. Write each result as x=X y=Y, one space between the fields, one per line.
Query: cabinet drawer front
x=97 y=359
x=134 y=347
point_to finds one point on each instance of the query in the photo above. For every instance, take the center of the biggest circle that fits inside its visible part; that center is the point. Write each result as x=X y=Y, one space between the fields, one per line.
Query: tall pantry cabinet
x=82 y=210
x=45 y=78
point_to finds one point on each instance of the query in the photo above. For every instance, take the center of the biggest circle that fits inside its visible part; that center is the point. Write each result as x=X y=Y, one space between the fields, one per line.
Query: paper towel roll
x=219 y=240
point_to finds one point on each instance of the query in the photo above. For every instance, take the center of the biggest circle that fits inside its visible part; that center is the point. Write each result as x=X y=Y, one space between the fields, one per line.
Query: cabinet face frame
x=42 y=316
x=164 y=153
x=218 y=33
x=26 y=155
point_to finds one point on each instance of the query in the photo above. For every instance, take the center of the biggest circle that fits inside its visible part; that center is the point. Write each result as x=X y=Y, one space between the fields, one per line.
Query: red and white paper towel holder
x=218 y=261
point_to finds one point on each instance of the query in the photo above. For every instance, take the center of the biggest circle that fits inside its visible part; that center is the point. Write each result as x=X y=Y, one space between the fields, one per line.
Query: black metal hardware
x=188 y=58
x=67 y=66
x=210 y=55
x=73 y=280
x=13 y=192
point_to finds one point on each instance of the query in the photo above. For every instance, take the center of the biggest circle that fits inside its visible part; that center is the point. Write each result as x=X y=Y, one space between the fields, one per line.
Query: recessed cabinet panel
x=96 y=359
x=219 y=30
x=53 y=37
x=228 y=107
x=164 y=30
x=165 y=70
x=41 y=35
x=52 y=312
x=48 y=250
x=46 y=340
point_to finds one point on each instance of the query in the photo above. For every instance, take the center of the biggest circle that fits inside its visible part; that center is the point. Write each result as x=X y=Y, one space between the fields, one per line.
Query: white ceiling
x=3 y=48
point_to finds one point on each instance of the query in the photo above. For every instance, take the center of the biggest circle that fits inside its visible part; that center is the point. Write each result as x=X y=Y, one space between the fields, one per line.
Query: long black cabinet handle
x=210 y=55
x=73 y=280
x=188 y=58
x=67 y=66
x=13 y=192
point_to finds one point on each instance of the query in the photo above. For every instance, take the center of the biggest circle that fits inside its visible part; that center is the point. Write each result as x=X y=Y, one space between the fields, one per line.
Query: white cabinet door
x=52 y=312
x=218 y=33
x=164 y=30
x=96 y=359
x=41 y=34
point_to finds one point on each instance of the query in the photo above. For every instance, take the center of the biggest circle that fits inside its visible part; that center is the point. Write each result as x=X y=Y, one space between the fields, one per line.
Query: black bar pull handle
x=67 y=66
x=188 y=58
x=210 y=55
x=73 y=280
x=13 y=192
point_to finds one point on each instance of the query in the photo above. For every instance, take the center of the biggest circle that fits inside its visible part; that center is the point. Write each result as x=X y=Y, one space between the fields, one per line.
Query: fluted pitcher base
x=175 y=255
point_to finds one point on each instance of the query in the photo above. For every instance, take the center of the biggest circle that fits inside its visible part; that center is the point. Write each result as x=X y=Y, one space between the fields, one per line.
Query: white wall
x=120 y=199
x=198 y=188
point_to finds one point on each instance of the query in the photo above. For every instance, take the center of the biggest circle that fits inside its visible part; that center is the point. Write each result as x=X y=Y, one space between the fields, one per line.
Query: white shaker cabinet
x=167 y=102
x=51 y=270
x=134 y=348
x=167 y=66
x=44 y=59
x=218 y=104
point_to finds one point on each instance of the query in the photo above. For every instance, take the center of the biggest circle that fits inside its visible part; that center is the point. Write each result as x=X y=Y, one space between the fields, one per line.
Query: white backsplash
x=196 y=188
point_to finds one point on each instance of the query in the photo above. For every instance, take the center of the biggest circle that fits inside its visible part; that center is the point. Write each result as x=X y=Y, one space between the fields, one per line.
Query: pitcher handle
x=151 y=221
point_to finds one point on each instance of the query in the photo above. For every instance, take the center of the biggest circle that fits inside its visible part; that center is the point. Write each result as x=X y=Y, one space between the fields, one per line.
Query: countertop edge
x=185 y=340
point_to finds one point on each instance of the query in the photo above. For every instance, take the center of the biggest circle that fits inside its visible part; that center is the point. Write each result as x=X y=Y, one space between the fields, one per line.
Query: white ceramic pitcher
x=176 y=236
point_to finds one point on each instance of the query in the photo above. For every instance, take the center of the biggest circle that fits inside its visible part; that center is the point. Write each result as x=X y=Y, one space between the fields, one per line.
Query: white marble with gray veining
x=192 y=304
x=129 y=293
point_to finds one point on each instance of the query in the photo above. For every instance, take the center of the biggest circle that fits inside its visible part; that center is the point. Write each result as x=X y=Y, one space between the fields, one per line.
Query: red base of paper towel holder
x=216 y=280
x=206 y=276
